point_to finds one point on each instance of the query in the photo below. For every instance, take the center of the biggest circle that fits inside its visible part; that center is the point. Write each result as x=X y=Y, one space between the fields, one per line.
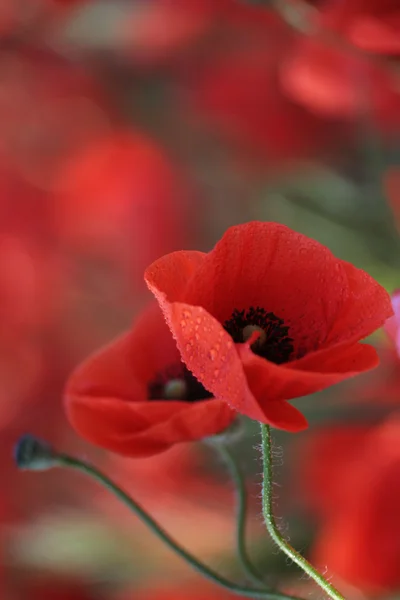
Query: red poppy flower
x=308 y=308
x=355 y=476
x=135 y=397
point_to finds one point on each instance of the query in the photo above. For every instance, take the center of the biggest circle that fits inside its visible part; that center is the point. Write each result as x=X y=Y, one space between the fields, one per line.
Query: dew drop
x=213 y=353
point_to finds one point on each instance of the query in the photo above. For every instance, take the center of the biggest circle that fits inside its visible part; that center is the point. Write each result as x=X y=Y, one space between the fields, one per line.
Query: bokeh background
x=129 y=129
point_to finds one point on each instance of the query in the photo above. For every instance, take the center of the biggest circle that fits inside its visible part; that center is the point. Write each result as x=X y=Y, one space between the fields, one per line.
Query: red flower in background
x=352 y=478
x=34 y=361
x=121 y=196
x=237 y=92
x=28 y=305
x=308 y=309
x=319 y=465
x=136 y=398
x=331 y=79
x=30 y=291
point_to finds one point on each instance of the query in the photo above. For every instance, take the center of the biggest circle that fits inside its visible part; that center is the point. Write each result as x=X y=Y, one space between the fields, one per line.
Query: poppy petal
x=141 y=429
x=268 y=381
x=108 y=373
x=271 y=266
x=168 y=276
x=320 y=298
x=365 y=308
x=208 y=351
x=283 y=415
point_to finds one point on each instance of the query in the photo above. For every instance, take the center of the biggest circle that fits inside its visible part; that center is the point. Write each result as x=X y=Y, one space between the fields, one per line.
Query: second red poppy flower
x=135 y=396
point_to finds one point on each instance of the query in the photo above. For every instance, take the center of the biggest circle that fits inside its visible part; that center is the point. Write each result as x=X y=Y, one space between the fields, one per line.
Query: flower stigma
x=273 y=341
x=175 y=389
x=176 y=382
x=248 y=332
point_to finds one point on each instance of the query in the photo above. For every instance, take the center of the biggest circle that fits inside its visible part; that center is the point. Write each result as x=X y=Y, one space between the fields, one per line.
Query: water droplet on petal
x=212 y=354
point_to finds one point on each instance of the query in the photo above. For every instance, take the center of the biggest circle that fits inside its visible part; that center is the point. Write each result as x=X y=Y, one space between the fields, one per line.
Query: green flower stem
x=267 y=495
x=78 y=465
x=240 y=484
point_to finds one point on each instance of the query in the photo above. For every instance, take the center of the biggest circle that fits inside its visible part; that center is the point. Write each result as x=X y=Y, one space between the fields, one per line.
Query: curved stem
x=240 y=484
x=74 y=463
x=272 y=527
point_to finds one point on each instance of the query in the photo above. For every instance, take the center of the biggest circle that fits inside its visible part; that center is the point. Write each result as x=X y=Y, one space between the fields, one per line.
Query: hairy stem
x=270 y=522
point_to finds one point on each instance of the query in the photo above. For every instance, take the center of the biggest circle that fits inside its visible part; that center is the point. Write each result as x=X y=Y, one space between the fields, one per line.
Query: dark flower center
x=273 y=342
x=177 y=383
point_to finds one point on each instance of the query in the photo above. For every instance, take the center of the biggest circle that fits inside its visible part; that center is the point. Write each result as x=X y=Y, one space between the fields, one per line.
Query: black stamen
x=277 y=347
x=194 y=390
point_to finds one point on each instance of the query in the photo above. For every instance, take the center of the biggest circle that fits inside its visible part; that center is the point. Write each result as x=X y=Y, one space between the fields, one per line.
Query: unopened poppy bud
x=33 y=454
